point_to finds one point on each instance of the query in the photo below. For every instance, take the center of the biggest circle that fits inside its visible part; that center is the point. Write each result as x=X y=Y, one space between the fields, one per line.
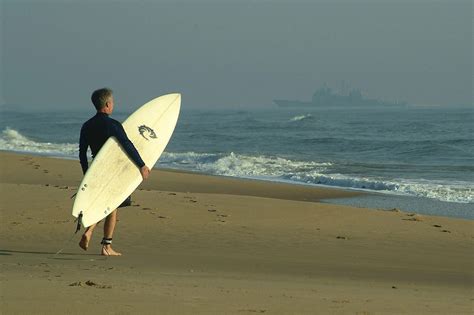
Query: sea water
x=417 y=158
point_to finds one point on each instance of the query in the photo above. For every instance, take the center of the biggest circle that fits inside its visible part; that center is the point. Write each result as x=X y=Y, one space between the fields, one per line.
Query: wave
x=267 y=168
x=314 y=173
x=301 y=117
x=12 y=140
x=462 y=192
x=239 y=165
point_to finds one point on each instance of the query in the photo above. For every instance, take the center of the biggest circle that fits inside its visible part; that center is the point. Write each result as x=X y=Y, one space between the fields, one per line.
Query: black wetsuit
x=96 y=131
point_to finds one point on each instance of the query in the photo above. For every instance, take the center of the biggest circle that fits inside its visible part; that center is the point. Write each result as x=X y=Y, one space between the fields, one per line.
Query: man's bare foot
x=108 y=251
x=84 y=243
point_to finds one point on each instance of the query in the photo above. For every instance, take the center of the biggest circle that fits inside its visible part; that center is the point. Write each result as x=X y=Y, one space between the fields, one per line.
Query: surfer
x=94 y=133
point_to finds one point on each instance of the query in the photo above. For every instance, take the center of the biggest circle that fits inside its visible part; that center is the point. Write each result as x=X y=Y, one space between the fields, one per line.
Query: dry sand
x=196 y=244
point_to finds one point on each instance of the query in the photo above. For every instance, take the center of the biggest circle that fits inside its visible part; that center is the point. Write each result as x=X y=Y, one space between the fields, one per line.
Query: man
x=94 y=133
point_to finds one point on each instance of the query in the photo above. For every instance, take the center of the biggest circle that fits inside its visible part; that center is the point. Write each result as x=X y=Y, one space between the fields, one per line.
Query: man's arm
x=119 y=133
x=83 y=144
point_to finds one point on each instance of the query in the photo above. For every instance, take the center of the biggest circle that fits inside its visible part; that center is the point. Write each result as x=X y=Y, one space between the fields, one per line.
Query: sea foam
x=301 y=117
x=313 y=173
x=12 y=140
x=266 y=167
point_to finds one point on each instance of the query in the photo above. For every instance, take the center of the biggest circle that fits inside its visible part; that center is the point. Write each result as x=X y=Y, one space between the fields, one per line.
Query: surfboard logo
x=146 y=131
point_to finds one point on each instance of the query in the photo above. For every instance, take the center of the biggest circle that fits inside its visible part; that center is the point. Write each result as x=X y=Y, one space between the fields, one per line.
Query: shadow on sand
x=54 y=255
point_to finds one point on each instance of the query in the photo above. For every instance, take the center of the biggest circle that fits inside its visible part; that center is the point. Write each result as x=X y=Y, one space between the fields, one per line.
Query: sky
x=224 y=54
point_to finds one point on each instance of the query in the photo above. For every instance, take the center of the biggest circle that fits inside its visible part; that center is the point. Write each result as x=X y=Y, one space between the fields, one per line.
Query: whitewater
x=403 y=151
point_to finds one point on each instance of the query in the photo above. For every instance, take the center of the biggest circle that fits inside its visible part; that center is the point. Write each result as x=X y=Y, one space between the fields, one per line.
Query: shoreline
x=419 y=205
x=355 y=197
x=186 y=181
x=199 y=244
x=192 y=172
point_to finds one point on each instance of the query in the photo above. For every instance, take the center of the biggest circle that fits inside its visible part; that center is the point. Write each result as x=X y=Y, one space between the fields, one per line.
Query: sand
x=197 y=244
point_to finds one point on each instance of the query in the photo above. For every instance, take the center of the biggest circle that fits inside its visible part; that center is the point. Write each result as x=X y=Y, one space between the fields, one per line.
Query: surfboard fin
x=79 y=222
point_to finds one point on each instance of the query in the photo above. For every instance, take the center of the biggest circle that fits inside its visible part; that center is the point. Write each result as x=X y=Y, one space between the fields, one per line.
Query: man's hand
x=145 y=171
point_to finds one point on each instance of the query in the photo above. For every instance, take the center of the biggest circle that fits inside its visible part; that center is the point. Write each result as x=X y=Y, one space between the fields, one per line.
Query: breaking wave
x=313 y=173
x=301 y=117
x=12 y=140
x=267 y=168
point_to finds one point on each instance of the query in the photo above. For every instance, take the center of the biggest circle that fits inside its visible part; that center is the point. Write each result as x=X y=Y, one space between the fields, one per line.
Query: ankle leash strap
x=106 y=241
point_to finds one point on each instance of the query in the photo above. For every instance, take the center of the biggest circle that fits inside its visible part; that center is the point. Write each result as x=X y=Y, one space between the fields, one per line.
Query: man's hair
x=100 y=97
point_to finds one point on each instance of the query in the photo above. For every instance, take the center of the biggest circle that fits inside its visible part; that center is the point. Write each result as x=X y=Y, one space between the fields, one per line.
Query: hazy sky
x=234 y=53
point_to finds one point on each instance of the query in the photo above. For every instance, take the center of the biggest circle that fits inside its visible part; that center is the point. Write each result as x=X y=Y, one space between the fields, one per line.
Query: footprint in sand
x=436 y=225
x=446 y=231
x=191 y=199
x=90 y=283
x=146 y=208
x=211 y=210
x=342 y=237
x=414 y=217
x=172 y=194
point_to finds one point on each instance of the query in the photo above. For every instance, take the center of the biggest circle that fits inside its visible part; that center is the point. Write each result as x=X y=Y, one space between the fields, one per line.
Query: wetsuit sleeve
x=83 y=145
x=119 y=133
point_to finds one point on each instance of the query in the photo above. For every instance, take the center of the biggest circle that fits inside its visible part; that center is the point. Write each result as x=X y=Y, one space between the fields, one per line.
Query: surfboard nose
x=178 y=96
x=170 y=98
x=175 y=97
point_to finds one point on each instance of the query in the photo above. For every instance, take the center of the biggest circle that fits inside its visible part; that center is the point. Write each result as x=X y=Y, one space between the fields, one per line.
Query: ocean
x=412 y=157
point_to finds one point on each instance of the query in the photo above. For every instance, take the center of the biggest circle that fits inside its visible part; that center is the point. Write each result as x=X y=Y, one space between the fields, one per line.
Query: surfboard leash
x=68 y=242
x=78 y=228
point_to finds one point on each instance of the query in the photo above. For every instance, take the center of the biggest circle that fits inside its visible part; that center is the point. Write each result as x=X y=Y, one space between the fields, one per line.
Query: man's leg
x=86 y=237
x=109 y=227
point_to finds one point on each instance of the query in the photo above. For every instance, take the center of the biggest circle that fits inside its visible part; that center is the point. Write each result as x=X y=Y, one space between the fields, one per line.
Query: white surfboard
x=112 y=175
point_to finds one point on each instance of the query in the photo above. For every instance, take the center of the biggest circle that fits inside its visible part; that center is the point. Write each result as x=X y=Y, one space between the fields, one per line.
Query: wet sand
x=196 y=244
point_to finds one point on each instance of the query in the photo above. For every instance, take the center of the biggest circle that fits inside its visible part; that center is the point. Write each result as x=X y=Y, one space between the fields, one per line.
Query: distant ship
x=326 y=97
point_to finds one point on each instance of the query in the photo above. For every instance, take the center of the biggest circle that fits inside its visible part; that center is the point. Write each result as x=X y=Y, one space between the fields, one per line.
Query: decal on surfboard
x=145 y=129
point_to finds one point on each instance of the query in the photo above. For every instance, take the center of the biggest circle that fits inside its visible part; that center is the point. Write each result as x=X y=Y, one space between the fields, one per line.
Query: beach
x=200 y=244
